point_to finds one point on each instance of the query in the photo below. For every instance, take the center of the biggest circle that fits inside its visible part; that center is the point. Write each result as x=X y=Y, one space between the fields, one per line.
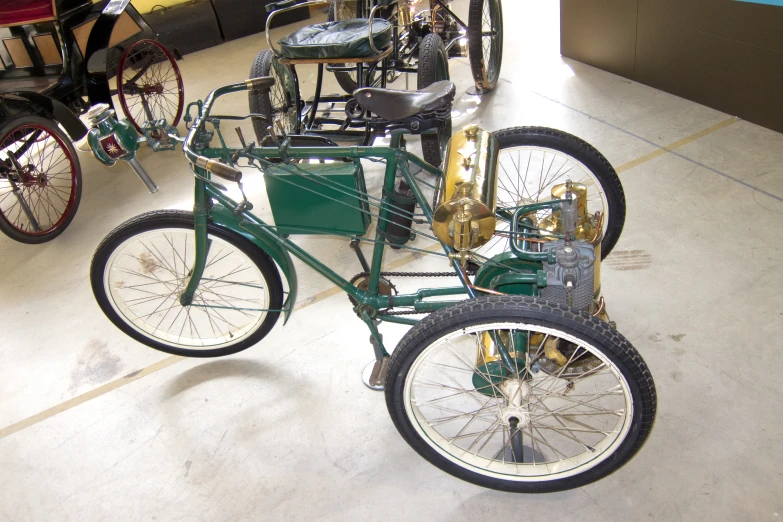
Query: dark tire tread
x=475 y=45
x=533 y=311
x=431 y=50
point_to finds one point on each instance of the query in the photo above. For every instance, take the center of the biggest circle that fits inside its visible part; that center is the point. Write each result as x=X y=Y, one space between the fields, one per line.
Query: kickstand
x=374 y=374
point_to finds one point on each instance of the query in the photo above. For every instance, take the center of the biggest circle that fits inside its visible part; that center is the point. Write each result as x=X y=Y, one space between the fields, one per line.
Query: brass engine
x=464 y=219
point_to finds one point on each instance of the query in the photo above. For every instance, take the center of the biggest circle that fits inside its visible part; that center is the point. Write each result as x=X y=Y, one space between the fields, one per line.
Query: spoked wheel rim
x=568 y=425
x=149 y=84
x=146 y=274
x=283 y=110
x=38 y=164
x=526 y=174
x=491 y=39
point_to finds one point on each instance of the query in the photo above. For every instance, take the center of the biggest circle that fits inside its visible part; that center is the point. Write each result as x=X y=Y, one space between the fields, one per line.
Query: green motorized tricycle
x=515 y=379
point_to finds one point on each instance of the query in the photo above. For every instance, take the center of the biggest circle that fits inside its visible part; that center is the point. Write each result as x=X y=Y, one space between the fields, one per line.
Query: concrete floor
x=94 y=426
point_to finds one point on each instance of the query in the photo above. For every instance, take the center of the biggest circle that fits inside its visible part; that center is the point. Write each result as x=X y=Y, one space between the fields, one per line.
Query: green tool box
x=318 y=198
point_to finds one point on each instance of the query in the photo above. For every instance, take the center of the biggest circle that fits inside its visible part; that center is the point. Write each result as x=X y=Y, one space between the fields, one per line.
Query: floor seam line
x=681 y=156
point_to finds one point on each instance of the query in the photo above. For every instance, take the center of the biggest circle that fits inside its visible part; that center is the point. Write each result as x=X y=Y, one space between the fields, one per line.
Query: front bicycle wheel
x=140 y=269
x=40 y=180
x=520 y=421
x=534 y=162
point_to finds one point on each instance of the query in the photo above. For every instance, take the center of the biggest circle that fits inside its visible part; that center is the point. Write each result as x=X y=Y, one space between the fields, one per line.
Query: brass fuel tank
x=464 y=214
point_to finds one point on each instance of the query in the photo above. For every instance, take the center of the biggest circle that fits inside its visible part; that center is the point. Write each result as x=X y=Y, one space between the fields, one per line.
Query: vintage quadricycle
x=514 y=379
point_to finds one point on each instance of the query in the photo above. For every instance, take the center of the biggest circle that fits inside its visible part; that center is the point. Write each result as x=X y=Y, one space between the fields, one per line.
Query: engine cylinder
x=464 y=214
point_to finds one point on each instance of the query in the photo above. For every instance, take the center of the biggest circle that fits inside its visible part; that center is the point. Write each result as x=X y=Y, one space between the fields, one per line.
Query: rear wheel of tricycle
x=534 y=160
x=433 y=67
x=278 y=103
x=520 y=421
x=140 y=269
x=40 y=180
x=485 y=42
x=149 y=84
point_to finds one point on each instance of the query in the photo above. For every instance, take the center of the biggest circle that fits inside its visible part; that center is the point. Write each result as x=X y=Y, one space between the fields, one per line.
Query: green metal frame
x=212 y=204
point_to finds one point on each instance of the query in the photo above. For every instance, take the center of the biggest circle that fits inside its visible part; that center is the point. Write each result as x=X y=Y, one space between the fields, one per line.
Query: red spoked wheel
x=149 y=84
x=40 y=180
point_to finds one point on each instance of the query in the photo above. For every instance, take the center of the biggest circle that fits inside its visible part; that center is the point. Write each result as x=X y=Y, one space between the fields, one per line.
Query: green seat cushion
x=341 y=39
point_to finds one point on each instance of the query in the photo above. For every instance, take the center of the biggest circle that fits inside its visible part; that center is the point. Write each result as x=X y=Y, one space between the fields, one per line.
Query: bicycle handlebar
x=215 y=167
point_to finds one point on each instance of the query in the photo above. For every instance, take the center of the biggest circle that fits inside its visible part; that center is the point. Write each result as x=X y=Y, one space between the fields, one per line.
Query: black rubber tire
x=70 y=211
x=485 y=78
x=433 y=67
x=260 y=101
x=531 y=311
x=184 y=219
x=582 y=151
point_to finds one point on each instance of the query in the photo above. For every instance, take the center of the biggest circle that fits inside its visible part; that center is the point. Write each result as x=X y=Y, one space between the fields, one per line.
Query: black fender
x=97 y=79
x=27 y=101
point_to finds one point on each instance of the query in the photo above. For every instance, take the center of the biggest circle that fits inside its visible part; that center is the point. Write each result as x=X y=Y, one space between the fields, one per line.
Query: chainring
x=362 y=281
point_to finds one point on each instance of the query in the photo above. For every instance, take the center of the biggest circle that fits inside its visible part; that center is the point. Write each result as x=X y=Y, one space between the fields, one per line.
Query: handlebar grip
x=260 y=83
x=274 y=6
x=220 y=170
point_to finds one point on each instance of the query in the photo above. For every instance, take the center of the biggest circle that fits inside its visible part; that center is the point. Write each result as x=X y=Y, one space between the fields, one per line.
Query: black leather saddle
x=395 y=105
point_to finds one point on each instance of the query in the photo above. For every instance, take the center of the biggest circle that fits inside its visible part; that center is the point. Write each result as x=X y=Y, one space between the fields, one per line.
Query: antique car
x=57 y=58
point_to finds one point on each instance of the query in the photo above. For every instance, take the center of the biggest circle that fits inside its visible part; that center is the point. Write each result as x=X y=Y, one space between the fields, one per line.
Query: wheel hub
x=30 y=178
x=517 y=394
x=153 y=89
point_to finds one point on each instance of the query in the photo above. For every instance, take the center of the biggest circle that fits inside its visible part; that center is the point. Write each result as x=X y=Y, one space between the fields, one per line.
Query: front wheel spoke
x=220 y=316
x=221 y=299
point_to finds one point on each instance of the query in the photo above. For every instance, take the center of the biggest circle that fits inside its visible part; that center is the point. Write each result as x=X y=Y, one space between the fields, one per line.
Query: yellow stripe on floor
x=676 y=145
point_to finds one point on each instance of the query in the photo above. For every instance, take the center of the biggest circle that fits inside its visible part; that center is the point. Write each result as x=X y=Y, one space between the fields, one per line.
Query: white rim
x=146 y=273
x=568 y=432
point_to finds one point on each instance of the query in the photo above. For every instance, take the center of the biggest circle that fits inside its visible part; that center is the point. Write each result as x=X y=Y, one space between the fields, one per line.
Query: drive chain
x=409 y=274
